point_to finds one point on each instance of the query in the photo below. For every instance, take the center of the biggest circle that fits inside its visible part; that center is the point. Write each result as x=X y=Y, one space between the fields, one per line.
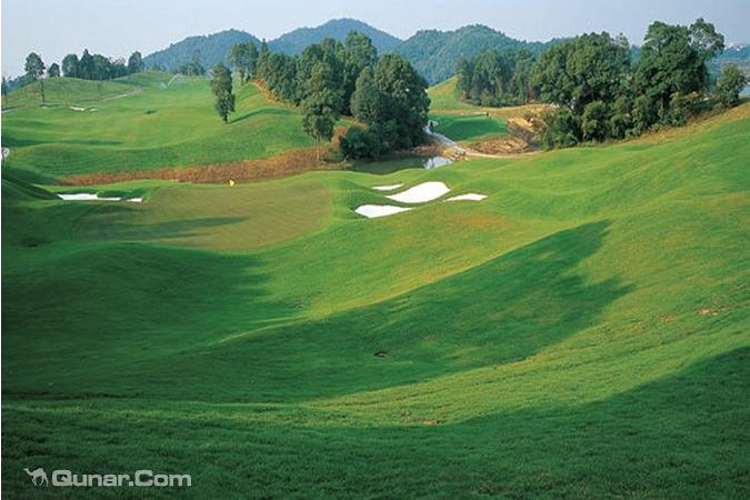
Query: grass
x=444 y=98
x=468 y=124
x=214 y=217
x=463 y=128
x=155 y=127
x=579 y=334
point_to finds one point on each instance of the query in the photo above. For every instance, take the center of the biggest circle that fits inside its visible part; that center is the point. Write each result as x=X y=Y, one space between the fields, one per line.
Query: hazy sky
x=54 y=28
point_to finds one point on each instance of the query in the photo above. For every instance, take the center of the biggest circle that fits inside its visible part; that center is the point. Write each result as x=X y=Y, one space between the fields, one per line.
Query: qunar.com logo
x=143 y=478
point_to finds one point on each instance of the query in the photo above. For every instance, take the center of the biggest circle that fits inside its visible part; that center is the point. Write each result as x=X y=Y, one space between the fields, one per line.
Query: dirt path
x=452 y=145
x=126 y=94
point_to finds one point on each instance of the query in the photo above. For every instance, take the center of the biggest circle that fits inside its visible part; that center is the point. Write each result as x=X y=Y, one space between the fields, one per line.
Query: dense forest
x=603 y=89
x=497 y=79
x=332 y=79
x=601 y=94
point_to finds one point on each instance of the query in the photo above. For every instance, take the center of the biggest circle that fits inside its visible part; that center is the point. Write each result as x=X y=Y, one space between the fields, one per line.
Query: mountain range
x=433 y=53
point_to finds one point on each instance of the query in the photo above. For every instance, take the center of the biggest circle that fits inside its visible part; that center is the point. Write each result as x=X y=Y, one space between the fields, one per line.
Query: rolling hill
x=295 y=41
x=142 y=122
x=210 y=49
x=435 y=53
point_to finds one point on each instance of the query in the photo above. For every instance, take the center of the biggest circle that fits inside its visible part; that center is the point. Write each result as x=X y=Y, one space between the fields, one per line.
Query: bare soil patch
x=292 y=162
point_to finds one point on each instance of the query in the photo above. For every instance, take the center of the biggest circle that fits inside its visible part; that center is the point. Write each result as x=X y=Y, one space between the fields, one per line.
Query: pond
x=389 y=166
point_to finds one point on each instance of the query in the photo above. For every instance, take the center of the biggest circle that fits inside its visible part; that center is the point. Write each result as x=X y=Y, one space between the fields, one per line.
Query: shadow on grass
x=119 y=221
x=77 y=312
x=504 y=310
x=681 y=437
x=264 y=111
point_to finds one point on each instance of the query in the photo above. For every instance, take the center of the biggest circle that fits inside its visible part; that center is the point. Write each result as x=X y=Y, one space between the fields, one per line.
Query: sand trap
x=94 y=197
x=389 y=187
x=77 y=108
x=468 y=197
x=86 y=197
x=421 y=193
x=375 y=211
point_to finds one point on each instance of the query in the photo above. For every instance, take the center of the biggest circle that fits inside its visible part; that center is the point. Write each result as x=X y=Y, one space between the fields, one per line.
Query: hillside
x=295 y=41
x=581 y=333
x=738 y=55
x=435 y=53
x=210 y=49
x=142 y=122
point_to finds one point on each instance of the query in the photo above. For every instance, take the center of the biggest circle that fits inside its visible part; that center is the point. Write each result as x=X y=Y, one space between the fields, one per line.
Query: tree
x=101 y=68
x=406 y=100
x=135 y=63
x=54 y=70
x=359 y=53
x=263 y=55
x=34 y=67
x=577 y=72
x=35 y=70
x=367 y=102
x=730 y=85
x=221 y=86
x=595 y=121
x=320 y=107
x=673 y=61
x=244 y=56
x=86 y=66
x=4 y=91
x=70 y=66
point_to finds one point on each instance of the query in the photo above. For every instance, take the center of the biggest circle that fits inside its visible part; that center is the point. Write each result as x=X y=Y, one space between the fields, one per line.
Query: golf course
x=578 y=331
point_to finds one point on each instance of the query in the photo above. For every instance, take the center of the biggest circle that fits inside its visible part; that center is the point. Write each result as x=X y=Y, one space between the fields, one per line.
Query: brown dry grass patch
x=292 y=162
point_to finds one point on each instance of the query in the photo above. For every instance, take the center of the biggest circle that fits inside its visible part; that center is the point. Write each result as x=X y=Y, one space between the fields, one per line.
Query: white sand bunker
x=468 y=197
x=93 y=197
x=375 y=211
x=77 y=108
x=389 y=187
x=421 y=193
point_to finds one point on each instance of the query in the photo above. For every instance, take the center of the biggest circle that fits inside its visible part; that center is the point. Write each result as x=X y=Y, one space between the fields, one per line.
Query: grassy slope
x=579 y=334
x=461 y=121
x=152 y=128
x=468 y=124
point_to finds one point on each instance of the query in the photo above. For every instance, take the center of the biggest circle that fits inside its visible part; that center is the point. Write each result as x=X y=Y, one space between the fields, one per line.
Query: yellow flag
x=231 y=183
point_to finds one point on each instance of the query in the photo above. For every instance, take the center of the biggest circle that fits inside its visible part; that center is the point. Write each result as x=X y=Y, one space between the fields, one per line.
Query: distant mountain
x=435 y=53
x=295 y=41
x=211 y=49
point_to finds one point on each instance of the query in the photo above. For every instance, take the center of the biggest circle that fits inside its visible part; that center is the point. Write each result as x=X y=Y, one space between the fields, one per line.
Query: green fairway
x=581 y=333
x=209 y=216
x=444 y=97
x=143 y=124
x=473 y=127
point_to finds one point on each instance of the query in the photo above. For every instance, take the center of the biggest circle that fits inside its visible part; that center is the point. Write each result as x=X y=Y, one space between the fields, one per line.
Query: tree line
x=496 y=78
x=331 y=79
x=599 y=91
x=88 y=67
